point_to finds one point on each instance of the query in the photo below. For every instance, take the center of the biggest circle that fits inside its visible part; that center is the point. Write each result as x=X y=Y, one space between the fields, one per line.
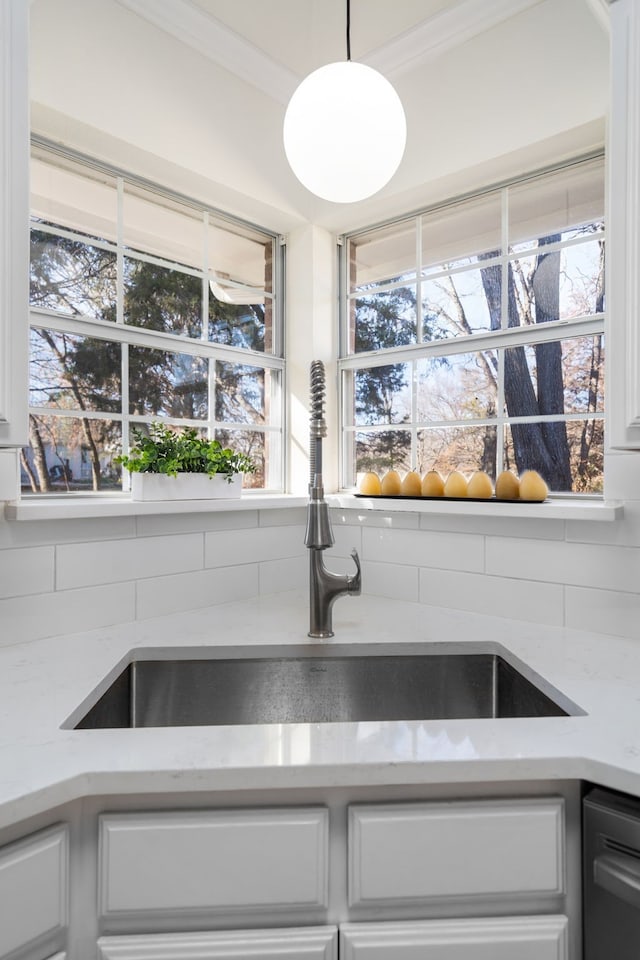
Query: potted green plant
x=169 y=464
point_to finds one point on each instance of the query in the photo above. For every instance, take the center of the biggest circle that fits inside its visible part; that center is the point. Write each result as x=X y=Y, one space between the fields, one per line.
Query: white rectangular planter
x=186 y=486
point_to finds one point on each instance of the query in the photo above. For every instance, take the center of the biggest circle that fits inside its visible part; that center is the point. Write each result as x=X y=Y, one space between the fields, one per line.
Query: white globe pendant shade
x=344 y=132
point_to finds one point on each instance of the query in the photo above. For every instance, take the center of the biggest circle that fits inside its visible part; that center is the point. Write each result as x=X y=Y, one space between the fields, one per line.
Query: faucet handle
x=354 y=583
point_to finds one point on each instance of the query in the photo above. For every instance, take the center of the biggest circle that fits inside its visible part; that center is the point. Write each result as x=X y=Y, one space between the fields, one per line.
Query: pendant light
x=344 y=130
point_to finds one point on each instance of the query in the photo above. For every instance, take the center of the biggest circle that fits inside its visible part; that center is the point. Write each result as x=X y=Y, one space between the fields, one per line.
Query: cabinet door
x=512 y=938
x=201 y=863
x=33 y=892
x=312 y=943
x=14 y=222
x=420 y=852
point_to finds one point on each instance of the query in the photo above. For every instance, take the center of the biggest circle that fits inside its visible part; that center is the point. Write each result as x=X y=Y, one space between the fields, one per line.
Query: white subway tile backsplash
x=284 y=516
x=172 y=523
x=84 y=564
x=393 y=580
x=374 y=518
x=603 y=611
x=622 y=475
x=252 y=546
x=190 y=591
x=49 y=614
x=585 y=565
x=17 y=533
x=346 y=539
x=424 y=549
x=495 y=526
x=496 y=596
x=623 y=532
x=292 y=573
x=26 y=571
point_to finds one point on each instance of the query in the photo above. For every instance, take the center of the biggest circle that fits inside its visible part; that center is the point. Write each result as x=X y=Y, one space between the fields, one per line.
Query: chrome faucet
x=324 y=587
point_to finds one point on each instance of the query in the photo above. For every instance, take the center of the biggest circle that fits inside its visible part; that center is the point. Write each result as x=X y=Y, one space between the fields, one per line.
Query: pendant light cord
x=348 y=29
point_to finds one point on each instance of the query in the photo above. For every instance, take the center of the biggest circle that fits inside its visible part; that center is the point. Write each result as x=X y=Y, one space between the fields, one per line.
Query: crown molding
x=426 y=41
x=601 y=11
x=214 y=40
x=441 y=33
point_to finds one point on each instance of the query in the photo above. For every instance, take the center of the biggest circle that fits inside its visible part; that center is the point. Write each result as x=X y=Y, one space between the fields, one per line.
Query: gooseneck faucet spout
x=324 y=587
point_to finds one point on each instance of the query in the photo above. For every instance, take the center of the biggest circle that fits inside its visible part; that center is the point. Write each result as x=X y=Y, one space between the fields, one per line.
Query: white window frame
x=128 y=335
x=348 y=362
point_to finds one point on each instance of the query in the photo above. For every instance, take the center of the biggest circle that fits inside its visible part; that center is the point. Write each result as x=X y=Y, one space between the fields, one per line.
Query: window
x=473 y=335
x=145 y=307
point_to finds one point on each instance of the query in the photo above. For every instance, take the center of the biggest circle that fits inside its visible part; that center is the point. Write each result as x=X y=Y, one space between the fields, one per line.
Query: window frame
x=121 y=332
x=350 y=361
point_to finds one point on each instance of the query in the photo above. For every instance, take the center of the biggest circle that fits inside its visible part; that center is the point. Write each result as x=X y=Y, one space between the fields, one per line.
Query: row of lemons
x=530 y=486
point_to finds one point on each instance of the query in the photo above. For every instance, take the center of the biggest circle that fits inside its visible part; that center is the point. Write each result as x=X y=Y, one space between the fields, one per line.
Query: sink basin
x=220 y=686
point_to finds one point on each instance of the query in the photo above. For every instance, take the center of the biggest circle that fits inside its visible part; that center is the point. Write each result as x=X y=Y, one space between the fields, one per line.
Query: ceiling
x=192 y=93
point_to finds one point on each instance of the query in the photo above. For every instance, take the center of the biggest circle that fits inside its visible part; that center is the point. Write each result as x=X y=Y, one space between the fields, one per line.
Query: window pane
x=578 y=446
x=167 y=384
x=72 y=277
x=559 y=285
x=240 y=325
x=70 y=454
x=385 y=319
x=460 y=304
x=556 y=203
x=157 y=298
x=383 y=394
x=240 y=255
x=383 y=450
x=555 y=378
x=155 y=224
x=466 y=449
x=458 y=387
x=73 y=372
x=382 y=256
x=457 y=235
x=240 y=393
x=255 y=444
x=73 y=196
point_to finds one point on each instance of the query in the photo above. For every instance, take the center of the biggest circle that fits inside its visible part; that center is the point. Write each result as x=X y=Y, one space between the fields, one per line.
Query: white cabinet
x=14 y=222
x=311 y=943
x=213 y=863
x=512 y=938
x=623 y=227
x=420 y=852
x=34 y=891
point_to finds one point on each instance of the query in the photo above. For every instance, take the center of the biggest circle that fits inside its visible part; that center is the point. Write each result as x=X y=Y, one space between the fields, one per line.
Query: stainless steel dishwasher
x=611 y=826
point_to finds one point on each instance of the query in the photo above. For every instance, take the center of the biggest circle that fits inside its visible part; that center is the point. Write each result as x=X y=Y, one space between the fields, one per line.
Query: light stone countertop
x=43 y=682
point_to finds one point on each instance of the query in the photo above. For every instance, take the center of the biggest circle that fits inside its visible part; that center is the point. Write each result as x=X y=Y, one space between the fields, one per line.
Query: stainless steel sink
x=318 y=685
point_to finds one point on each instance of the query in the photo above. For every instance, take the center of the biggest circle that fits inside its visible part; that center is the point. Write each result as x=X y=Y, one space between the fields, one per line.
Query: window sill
x=559 y=509
x=85 y=506
x=79 y=507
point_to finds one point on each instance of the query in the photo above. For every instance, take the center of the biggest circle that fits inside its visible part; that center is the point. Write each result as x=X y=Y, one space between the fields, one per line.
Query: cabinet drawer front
x=196 y=861
x=311 y=943
x=33 y=888
x=524 y=938
x=417 y=852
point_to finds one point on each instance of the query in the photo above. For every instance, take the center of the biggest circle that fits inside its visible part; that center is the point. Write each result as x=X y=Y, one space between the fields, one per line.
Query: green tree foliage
x=83 y=373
